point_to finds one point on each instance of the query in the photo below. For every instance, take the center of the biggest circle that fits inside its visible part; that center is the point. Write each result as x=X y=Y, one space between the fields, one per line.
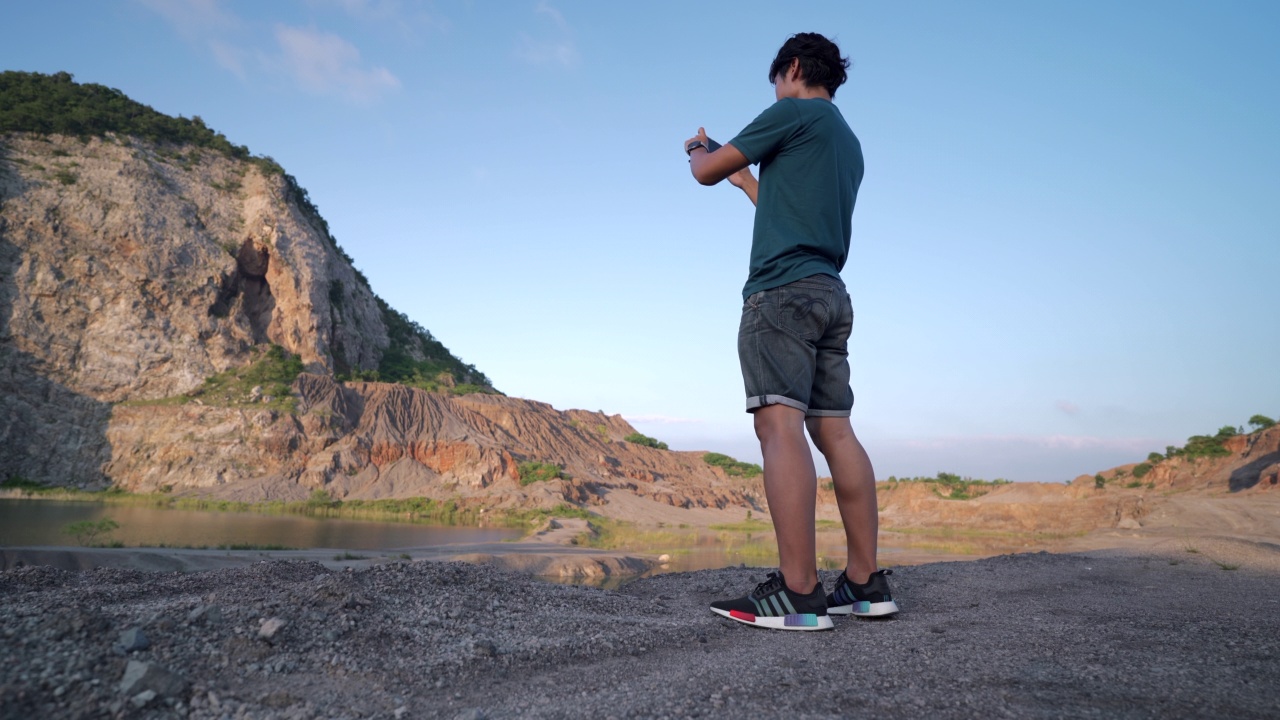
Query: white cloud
x=543 y=8
x=230 y=57
x=319 y=62
x=405 y=16
x=550 y=48
x=192 y=18
x=1068 y=407
x=325 y=64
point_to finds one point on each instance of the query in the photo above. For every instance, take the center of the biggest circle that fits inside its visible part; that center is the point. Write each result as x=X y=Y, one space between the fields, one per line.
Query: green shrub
x=641 y=439
x=66 y=177
x=534 y=471
x=1154 y=458
x=1141 y=469
x=274 y=370
x=1099 y=482
x=86 y=532
x=320 y=498
x=1134 y=484
x=731 y=466
x=56 y=104
x=1261 y=422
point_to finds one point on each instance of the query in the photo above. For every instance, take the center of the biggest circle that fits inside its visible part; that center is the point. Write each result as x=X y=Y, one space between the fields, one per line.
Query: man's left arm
x=710 y=168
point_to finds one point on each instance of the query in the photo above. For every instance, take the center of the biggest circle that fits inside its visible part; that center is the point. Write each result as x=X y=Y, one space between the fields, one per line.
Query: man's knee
x=774 y=421
x=829 y=432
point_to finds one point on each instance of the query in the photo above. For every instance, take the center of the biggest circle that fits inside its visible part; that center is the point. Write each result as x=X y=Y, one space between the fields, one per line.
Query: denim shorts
x=793 y=344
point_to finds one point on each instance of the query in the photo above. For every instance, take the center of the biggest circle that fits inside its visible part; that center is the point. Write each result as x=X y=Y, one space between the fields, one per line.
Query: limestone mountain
x=158 y=284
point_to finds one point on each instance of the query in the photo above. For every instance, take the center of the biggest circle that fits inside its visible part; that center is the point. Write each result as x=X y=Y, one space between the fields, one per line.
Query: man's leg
x=791 y=486
x=855 y=484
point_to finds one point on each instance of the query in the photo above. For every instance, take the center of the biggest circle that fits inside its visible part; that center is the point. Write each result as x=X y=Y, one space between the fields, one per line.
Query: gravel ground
x=1035 y=635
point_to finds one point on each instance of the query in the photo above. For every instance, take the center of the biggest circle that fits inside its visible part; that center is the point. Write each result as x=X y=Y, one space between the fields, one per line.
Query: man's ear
x=793 y=70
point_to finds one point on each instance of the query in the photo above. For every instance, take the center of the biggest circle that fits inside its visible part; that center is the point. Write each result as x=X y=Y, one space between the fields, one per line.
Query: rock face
x=131 y=271
x=380 y=440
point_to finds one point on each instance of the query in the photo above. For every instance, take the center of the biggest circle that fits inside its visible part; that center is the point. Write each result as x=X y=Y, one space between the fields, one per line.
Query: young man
x=793 y=340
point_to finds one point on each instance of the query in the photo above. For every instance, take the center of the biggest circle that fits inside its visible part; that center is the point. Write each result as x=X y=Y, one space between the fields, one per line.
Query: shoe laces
x=772 y=582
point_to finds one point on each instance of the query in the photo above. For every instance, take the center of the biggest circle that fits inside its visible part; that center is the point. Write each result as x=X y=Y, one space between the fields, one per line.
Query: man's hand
x=745 y=180
x=701 y=136
x=710 y=168
x=742 y=178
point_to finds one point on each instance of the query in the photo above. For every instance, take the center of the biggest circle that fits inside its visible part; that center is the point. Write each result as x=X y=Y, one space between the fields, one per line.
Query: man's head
x=808 y=60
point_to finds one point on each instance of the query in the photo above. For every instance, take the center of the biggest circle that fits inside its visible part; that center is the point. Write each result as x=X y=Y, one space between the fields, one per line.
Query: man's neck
x=812 y=93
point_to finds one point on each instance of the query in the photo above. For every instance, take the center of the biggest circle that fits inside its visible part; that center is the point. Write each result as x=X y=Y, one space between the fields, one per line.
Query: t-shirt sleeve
x=765 y=135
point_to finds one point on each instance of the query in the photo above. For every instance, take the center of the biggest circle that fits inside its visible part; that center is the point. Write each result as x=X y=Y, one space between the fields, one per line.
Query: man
x=793 y=340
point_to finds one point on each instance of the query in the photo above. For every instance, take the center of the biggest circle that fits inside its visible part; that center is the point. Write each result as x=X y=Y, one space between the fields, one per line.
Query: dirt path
x=1036 y=635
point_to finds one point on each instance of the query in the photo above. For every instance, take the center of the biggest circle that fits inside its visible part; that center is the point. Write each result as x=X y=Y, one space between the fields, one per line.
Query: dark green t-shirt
x=810 y=170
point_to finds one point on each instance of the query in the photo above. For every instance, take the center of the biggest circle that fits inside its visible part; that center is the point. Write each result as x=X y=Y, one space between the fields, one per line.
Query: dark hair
x=820 y=61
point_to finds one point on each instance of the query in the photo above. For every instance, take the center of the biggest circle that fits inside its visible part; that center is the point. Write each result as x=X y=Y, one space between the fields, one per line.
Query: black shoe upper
x=772 y=598
x=874 y=590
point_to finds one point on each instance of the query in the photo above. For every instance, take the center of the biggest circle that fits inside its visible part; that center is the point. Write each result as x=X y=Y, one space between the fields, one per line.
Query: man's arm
x=745 y=180
x=711 y=168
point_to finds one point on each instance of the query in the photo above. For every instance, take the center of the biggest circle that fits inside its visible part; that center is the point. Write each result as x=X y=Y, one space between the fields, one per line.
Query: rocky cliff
x=136 y=268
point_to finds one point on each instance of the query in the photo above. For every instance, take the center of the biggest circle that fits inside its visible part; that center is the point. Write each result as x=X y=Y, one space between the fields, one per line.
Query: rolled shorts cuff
x=828 y=413
x=759 y=401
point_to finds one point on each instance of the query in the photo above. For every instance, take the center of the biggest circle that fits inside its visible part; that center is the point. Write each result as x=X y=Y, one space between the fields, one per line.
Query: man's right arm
x=745 y=180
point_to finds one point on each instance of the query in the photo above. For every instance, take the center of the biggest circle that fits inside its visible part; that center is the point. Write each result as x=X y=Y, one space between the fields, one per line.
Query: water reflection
x=40 y=522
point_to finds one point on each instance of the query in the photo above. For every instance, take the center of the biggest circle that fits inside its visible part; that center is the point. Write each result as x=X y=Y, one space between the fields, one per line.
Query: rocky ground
x=1034 y=635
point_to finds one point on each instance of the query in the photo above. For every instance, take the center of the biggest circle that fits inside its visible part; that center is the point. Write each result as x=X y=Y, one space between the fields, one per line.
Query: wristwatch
x=688 y=149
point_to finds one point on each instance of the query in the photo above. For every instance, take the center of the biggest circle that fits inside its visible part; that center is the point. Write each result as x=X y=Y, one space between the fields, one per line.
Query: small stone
x=132 y=639
x=400 y=712
x=139 y=676
x=141 y=699
x=271 y=627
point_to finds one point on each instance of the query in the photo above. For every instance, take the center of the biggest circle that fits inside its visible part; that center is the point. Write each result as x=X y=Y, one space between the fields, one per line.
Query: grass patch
x=732 y=467
x=645 y=440
x=273 y=370
x=349 y=556
x=744 y=526
x=951 y=486
x=1226 y=566
x=534 y=471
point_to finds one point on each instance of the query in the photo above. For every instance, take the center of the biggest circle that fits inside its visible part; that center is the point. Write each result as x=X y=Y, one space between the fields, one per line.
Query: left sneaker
x=871 y=599
x=773 y=605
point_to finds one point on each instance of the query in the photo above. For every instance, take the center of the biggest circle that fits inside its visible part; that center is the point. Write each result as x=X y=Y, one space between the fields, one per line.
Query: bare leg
x=791 y=486
x=855 y=484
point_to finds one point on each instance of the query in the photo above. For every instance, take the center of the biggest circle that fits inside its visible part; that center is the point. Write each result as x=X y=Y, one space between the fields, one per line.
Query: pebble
x=131 y=640
x=271 y=627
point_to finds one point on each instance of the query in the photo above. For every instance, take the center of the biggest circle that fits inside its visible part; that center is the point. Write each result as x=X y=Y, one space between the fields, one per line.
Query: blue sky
x=1062 y=254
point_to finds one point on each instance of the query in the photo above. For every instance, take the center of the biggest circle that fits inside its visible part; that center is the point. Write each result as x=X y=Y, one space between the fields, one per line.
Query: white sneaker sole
x=802 y=621
x=865 y=609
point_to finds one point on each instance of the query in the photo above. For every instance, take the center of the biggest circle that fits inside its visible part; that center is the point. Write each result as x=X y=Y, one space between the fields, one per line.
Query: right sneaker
x=773 y=605
x=871 y=599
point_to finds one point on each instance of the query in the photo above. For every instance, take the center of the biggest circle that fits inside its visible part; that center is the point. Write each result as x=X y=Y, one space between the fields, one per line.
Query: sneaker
x=773 y=605
x=869 y=600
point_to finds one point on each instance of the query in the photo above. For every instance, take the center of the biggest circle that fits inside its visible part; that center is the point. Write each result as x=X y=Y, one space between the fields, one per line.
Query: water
x=40 y=522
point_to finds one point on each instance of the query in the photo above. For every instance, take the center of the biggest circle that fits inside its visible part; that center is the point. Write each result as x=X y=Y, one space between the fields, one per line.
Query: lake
x=40 y=522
